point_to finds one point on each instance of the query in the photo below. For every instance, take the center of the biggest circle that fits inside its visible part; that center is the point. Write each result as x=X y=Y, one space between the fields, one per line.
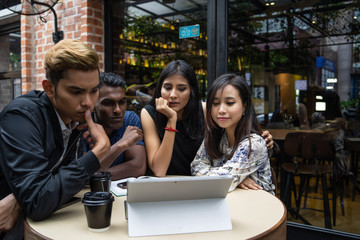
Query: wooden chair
x=353 y=146
x=307 y=149
x=274 y=179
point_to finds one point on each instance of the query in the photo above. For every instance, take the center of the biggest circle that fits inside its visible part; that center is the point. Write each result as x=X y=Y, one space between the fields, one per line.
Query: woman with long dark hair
x=233 y=144
x=173 y=123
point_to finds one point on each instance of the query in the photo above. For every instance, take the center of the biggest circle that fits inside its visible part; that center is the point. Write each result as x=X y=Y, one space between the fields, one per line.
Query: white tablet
x=174 y=205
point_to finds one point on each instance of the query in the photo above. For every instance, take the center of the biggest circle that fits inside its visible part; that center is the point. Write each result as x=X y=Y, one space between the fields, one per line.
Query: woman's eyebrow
x=229 y=98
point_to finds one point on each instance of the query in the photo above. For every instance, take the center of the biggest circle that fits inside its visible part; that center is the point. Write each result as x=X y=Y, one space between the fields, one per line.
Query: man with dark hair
x=127 y=157
x=40 y=165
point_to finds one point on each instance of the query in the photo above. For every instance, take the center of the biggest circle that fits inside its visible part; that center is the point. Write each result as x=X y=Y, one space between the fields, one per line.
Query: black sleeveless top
x=185 y=148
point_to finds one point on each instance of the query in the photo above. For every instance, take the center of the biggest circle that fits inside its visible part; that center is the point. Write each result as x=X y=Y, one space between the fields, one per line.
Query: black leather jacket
x=31 y=144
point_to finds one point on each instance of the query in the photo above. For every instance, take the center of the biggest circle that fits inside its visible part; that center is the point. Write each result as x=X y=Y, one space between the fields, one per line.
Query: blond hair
x=69 y=54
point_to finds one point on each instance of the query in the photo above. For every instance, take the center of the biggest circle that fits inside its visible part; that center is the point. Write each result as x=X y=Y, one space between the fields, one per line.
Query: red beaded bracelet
x=171 y=129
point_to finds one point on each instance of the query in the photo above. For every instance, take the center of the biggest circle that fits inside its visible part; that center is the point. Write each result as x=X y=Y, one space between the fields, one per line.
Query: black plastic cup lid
x=106 y=175
x=96 y=198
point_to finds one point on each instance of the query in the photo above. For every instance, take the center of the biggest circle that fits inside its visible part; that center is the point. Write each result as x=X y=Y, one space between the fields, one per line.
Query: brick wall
x=78 y=19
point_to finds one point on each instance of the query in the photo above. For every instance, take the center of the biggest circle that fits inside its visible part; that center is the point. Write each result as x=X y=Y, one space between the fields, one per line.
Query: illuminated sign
x=331 y=80
x=189 y=31
x=300 y=84
x=322 y=62
x=320 y=106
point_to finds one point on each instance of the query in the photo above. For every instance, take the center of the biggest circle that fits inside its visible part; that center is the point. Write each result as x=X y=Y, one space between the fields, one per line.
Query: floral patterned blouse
x=240 y=166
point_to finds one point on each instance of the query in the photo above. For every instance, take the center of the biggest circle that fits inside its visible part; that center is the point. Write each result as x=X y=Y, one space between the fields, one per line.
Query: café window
x=10 y=57
x=10 y=88
x=10 y=68
x=355 y=76
x=295 y=53
x=10 y=52
x=275 y=43
x=146 y=36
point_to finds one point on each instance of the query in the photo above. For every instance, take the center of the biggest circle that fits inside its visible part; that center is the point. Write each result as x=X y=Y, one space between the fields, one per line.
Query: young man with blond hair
x=40 y=163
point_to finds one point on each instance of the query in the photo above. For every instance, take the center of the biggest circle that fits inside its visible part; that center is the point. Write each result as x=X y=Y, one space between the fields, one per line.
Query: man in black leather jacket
x=39 y=157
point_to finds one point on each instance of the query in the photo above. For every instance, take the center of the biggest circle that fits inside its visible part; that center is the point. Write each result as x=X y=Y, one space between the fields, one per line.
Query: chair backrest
x=274 y=179
x=292 y=144
x=308 y=145
x=318 y=145
x=275 y=125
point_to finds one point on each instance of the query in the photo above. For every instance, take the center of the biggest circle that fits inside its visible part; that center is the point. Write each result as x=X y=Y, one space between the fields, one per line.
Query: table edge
x=30 y=233
x=274 y=229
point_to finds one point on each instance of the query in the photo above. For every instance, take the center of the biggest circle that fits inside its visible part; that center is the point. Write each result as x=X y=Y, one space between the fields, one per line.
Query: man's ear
x=48 y=87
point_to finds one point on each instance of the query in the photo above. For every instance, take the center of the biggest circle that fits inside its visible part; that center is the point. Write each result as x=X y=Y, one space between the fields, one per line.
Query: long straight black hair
x=248 y=123
x=192 y=115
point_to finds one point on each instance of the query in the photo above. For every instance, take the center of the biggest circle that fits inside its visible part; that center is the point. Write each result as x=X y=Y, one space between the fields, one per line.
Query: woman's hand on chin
x=162 y=106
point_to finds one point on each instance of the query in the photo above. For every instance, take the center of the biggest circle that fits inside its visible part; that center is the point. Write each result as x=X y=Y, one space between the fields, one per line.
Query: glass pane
x=296 y=54
x=146 y=39
x=10 y=52
x=17 y=87
x=8 y=3
x=5 y=92
x=278 y=43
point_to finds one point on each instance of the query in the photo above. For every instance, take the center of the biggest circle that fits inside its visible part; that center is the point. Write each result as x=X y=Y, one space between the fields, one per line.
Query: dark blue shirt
x=130 y=119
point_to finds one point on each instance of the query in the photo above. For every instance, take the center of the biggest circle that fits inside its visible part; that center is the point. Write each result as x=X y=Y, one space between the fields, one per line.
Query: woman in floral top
x=233 y=144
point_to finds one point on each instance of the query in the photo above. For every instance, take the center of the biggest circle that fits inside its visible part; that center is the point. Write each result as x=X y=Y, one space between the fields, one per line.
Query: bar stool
x=353 y=146
x=308 y=149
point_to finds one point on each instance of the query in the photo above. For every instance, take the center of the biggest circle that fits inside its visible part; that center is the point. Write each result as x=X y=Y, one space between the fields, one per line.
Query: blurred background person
x=302 y=115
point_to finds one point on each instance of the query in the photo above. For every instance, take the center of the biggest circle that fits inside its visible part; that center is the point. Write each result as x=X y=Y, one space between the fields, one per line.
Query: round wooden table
x=255 y=214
